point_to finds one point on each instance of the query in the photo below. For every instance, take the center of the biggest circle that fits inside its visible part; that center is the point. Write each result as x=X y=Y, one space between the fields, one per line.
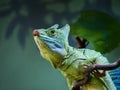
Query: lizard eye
x=53 y=32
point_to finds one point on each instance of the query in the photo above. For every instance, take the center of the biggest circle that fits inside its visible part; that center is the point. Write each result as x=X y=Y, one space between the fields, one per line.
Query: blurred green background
x=21 y=66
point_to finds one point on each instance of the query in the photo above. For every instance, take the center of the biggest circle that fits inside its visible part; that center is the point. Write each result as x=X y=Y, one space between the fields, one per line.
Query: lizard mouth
x=35 y=33
x=38 y=39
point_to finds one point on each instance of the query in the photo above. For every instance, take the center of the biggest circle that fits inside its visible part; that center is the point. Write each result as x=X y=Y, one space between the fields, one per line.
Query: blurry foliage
x=29 y=14
x=92 y=1
x=76 y=5
x=43 y=13
x=116 y=6
x=56 y=7
x=99 y=28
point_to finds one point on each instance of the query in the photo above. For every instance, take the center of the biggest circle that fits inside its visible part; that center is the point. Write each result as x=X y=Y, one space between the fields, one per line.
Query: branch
x=111 y=66
x=81 y=43
x=93 y=67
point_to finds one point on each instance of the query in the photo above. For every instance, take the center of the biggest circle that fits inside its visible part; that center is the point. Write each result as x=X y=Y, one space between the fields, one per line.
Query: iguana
x=72 y=62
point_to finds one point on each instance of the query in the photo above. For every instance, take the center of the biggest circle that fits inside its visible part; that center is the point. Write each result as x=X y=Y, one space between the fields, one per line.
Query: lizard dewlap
x=54 y=47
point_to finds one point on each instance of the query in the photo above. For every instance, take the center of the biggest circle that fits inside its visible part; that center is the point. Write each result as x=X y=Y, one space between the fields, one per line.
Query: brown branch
x=78 y=85
x=111 y=66
x=81 y=43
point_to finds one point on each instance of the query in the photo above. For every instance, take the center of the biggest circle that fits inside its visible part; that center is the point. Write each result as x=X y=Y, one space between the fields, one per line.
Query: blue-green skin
x=54 y=47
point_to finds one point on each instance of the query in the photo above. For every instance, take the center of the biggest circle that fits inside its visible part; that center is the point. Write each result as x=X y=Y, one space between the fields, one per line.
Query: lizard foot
x=93 y=70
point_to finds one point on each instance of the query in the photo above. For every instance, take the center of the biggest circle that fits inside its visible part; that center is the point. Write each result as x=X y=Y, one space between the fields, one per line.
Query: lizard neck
x=57 y=59
x=69 y=50
x=69 y=56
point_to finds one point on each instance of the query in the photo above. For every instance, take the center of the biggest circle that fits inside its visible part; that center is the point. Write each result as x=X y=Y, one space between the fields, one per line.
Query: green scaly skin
x=54 y=47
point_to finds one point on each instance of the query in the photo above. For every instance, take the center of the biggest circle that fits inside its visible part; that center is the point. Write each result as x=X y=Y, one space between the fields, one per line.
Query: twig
x=81 y=43
x=104 y=67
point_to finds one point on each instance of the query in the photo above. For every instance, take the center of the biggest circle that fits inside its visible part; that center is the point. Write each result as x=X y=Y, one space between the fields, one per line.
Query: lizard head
x=52 y=43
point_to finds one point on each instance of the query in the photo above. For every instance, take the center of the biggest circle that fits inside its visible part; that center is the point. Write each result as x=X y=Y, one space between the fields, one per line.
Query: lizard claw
x=98 y=73
x=91 y=69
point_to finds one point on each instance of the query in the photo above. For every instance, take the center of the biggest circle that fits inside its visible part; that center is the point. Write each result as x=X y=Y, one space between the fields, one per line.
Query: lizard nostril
x=35 y=33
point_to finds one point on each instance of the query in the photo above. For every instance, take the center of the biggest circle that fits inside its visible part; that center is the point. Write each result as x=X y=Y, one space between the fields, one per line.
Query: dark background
x=21 y=66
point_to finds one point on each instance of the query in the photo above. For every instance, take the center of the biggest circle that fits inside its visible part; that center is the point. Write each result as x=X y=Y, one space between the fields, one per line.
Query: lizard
x=72 y=62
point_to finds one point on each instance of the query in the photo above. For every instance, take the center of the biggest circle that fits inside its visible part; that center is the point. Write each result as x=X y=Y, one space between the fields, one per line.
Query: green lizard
x=72 y=62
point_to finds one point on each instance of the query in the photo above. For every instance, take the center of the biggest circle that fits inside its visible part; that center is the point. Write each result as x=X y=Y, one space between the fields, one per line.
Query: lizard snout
x=35 y=33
